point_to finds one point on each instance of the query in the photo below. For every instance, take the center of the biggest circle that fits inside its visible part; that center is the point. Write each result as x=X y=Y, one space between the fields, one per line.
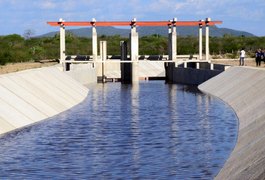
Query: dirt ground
x=14 y=67
x=235 y=62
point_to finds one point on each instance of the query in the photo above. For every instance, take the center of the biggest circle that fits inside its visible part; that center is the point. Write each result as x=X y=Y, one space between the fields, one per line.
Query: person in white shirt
x=242 y=57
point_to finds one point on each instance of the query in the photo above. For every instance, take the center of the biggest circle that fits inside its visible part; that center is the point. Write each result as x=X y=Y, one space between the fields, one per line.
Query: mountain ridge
x=146 y=31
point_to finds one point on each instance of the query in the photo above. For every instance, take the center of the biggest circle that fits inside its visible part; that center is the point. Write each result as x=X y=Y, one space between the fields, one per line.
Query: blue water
x=150 y=131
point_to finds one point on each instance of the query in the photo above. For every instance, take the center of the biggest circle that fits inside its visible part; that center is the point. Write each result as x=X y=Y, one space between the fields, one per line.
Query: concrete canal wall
x=145 y=69
x=33 y=95
x=244 y=90
x=83 y=73
x=192 y=73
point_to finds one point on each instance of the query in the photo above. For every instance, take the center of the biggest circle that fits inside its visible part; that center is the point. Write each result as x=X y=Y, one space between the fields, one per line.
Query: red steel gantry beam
x=137 y=23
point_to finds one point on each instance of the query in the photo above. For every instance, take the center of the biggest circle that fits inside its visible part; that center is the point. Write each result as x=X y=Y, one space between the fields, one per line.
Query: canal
x=147 y=131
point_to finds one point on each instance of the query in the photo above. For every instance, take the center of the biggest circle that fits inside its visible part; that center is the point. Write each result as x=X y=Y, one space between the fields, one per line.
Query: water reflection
x=174 y=127
x=135 y=127
x=147 y=131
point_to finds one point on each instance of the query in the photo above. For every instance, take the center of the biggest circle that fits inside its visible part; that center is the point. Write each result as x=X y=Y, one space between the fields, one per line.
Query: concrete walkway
x=244 y=90
x=30 y=96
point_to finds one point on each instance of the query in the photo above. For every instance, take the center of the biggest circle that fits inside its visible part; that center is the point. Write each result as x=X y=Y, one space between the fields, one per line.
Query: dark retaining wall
x=191 y=75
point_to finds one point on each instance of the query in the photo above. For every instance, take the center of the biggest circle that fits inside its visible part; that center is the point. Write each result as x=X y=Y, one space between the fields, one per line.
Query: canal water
x=147 y=131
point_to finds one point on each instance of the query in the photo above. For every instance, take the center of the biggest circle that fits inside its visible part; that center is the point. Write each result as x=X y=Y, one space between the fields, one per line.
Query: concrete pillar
x=200 y=41
x=173 y=41
x=94 y=43
x=212 y=66
x=124 y=50
x=126 y=68
x=103 y=58
x=185 y=64
x=171 y=52
x=134 y=51
x=197 y=65
x=207 y=38
x=169 y=42
x=95 y=48
x=62 y=44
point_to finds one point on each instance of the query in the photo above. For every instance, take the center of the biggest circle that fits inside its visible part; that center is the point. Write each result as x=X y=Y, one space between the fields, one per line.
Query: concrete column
x=200 y=41
x=169 y=42
x=207 y=39
x=174 y=43
x=124 y=50
x=103 y=51
x=197 y=65
x=185 y=64
x=95 y=48
x=134 y=51
x=103 y=58
x=126 y=68
x=212 y=66
x=173 y=40
x=62 y=44
x=94 y=43
x=166 y=64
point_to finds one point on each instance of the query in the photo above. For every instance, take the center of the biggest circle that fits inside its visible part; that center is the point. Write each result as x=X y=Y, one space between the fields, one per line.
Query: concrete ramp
x=33 y=95
x=244 y=90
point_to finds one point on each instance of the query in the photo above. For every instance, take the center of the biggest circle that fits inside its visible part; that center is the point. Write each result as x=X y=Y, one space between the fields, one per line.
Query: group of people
x=259 y=56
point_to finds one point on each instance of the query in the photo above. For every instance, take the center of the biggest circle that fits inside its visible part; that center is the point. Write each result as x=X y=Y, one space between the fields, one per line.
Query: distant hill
x=145 y=31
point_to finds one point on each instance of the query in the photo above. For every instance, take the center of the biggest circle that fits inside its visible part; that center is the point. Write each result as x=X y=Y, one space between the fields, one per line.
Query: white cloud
x=48 y=5
x=179 y=6
x=65 y=5
x=162 y=5
x=193 y=6
x=232 y=12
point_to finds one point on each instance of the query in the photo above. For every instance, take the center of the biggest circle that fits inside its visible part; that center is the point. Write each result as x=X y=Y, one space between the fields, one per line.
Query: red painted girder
x=138 y=23
x=196 y=23
x=113 y=23
x=70 y=23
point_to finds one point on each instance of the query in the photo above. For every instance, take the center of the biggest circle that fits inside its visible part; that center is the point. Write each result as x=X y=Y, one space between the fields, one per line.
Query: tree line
x=15 y=48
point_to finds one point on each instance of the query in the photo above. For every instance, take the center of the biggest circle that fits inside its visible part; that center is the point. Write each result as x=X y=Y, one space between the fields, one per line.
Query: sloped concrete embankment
x=33 y=95
x=244 y=90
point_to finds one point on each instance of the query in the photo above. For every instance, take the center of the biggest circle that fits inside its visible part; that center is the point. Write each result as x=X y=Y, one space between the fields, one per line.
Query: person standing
x=258 y=57
x=262 y=56
x=242 y=57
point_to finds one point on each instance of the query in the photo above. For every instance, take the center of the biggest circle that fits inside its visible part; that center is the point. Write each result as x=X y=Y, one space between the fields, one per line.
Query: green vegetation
x=14 y=48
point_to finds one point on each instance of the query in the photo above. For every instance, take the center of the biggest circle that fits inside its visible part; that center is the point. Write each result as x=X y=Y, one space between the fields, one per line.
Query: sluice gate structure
x=129 y=68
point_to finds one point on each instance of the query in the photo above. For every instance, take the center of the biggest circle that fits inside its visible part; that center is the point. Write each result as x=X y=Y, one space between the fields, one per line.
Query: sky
x=17 y=16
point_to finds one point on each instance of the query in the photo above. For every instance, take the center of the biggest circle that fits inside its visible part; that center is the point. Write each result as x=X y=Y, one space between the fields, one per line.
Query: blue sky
x=20 y=15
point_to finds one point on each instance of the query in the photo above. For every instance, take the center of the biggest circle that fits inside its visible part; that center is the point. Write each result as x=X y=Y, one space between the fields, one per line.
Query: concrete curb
x=244 y=90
